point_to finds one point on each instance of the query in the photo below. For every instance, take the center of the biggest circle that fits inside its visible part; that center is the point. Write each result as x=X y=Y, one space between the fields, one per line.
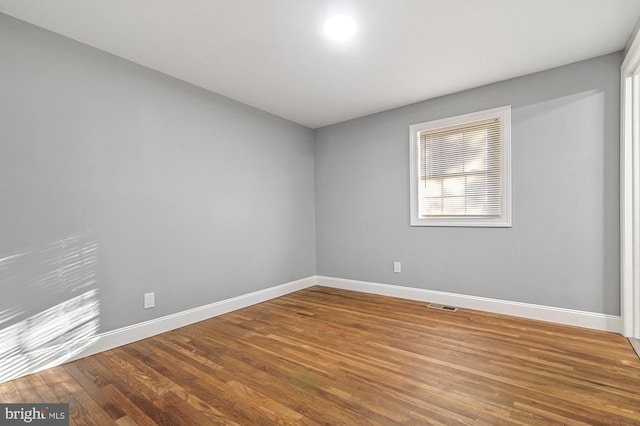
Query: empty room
x=354 y=212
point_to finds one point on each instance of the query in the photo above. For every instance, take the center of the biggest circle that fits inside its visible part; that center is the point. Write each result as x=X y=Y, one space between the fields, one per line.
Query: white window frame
x=504 y=220
x=630 y=192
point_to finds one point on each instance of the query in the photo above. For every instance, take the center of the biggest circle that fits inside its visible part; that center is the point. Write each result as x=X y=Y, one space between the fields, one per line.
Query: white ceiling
x=271 y=54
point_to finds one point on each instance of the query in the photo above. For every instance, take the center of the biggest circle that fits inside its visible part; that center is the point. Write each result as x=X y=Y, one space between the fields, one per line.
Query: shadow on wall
x=49 y=307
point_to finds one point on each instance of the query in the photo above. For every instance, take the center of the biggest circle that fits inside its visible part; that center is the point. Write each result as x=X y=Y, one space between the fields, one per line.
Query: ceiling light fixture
x=340 y=27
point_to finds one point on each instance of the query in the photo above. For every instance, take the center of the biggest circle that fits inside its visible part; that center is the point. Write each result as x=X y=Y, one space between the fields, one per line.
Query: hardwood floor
x=326 y=356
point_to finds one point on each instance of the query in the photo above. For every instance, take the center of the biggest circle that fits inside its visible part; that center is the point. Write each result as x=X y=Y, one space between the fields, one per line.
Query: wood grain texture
x=327 y=356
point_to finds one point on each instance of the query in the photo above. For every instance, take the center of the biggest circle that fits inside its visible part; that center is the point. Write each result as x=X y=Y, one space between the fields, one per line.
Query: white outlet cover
x=149 y=300
x=397 y=267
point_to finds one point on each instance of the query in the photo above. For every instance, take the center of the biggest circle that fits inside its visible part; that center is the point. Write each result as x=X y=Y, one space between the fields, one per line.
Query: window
x=461 y=170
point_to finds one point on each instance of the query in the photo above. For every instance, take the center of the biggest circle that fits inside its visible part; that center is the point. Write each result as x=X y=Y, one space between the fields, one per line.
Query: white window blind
x=460 y=170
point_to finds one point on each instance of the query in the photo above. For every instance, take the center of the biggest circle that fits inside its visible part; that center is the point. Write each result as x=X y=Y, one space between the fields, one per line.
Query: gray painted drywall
x=563 y=248
x=200 y=198
x=190 y=195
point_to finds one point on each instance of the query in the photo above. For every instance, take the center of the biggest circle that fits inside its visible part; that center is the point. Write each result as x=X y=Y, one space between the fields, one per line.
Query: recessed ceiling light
x=340 y=27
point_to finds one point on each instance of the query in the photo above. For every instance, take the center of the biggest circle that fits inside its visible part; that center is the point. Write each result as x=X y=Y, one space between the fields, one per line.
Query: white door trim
x=630 y=192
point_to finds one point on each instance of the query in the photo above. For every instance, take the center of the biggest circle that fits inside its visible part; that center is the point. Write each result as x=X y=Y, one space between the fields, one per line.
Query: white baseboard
x=125 y=335
x=133 y=333
x=122 y=336
x=584 y=319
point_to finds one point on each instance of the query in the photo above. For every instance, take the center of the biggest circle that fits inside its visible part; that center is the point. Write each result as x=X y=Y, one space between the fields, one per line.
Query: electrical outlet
x=397 y=267
x=149 y=300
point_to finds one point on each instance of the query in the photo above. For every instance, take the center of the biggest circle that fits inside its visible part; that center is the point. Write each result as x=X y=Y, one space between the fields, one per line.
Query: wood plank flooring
x=327 y=356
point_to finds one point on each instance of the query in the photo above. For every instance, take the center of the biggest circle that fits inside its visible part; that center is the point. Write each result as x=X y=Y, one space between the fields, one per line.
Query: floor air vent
x=442 y=307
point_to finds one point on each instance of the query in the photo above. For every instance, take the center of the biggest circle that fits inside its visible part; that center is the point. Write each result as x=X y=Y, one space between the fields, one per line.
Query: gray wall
x=199 y=198
x=185 y=193
x=563 y=247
